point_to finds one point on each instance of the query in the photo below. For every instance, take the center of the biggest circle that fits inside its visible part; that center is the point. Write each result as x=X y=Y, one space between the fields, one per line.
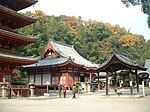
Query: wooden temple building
x=60 y=63
x=118 y=62
x=10 y=39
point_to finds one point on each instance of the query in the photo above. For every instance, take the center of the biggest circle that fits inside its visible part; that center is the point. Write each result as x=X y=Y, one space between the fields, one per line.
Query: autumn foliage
x=129 y=40
x=94 y=40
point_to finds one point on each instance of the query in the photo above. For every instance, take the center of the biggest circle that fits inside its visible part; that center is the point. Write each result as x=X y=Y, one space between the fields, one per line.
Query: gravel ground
x=83 y=103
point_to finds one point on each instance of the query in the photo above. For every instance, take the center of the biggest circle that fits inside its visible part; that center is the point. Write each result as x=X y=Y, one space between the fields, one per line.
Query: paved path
x=83 y=103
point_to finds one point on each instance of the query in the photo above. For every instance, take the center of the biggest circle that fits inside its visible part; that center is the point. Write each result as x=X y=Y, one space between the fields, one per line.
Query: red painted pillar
x=90 y=76
x=67 y=79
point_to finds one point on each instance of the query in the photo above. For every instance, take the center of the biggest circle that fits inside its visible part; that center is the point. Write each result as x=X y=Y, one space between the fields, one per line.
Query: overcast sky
x=112 y=11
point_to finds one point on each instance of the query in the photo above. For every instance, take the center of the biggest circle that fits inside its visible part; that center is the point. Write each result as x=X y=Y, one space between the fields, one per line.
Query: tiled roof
x=48 y=62
x=127 y=60
x=29 y=38
x=16 y=57
x=69 y=51
x=18 y=4
x=23 y=20
x=122 y=59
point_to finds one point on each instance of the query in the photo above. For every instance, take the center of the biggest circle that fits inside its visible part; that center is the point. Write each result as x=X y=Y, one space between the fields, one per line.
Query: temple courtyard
x=82 y=103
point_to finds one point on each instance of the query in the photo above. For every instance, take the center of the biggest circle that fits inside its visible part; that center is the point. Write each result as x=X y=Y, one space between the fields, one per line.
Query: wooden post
x=67 y=79
x=98 y=83
x=51 y=73
x=59 y=77
x=106 y=83
x=137 y=80
x=90 y=76
x=34 y=78
x=42 y=79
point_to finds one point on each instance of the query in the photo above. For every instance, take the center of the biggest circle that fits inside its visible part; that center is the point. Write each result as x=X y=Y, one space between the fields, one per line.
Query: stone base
x=46 y=94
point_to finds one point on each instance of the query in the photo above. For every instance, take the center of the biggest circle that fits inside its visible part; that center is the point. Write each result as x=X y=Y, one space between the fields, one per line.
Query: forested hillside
x=93 y=40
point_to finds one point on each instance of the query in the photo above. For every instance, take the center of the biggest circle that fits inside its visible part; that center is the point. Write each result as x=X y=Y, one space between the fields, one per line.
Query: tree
x=145 y=6
x=145 y=52
x=92 y=39
x=129 y=40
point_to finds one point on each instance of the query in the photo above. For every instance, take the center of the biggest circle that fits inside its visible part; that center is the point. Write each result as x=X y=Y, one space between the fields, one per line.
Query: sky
x=107 y=11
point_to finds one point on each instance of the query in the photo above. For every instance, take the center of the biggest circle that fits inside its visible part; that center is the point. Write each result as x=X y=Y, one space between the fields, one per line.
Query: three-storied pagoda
x=60 y=63
x=10 y=20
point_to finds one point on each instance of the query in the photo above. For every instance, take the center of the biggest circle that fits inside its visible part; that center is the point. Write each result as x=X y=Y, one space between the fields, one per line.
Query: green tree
x=145 y=6
x=92 y=39
x=145 y=52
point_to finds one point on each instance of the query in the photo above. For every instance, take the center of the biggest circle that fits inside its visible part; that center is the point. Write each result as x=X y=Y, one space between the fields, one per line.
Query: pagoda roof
x=15 y=20
x=66 y=51
x=20 y=39
x=53 y=61
x=17 y=4
x=20 y=60
x=119 y=62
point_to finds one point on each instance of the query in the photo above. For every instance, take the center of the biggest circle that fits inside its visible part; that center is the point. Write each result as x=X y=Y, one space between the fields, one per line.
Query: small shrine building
x=117 y=62
x=60 y=63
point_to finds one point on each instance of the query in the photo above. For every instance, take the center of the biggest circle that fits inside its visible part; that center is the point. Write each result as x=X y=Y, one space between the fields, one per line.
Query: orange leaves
x=115 y=29
x=39 y=14
x=129 y=40
x=69 y=20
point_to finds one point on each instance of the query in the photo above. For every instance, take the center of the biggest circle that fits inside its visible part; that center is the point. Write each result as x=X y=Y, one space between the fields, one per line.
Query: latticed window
x=38 y=79
x=46 y=77
x=76 y=78
x=55 y=79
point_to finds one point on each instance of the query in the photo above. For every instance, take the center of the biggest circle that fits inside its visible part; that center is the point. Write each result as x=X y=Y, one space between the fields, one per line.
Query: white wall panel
x=38 y=79
x=46 y=77
x=31 y=80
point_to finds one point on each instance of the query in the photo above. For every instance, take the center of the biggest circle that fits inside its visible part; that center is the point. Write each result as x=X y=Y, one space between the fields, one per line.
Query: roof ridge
x=2 y=54
x=127 y=57
x=59 y=42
